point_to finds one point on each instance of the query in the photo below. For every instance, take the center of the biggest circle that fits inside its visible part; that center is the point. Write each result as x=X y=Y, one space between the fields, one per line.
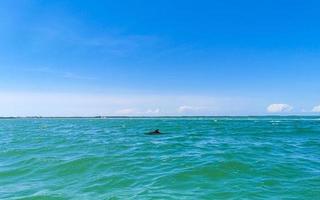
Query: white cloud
x=316 y=109
x=183 y=109
x=127 y=111
x=278 y=108
x=153 y=112
x=191 y=109
x=134 y=111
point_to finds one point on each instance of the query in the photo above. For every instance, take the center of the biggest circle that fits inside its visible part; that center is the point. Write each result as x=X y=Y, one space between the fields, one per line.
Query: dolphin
x=155 y=132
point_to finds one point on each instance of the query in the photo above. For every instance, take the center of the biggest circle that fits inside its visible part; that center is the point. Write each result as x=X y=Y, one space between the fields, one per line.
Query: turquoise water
x=195 y=158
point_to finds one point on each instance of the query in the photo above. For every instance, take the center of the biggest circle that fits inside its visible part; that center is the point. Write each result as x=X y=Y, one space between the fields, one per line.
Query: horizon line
x=151 y=116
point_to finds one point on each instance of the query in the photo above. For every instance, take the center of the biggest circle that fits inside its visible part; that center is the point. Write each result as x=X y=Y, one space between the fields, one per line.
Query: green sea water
x=194 y=158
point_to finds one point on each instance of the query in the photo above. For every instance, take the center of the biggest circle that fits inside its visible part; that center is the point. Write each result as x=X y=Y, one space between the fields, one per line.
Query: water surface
x=195 y=158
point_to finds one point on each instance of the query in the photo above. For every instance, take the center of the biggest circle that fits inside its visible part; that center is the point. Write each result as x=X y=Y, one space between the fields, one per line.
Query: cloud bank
x=117 y=104
x=77 y=104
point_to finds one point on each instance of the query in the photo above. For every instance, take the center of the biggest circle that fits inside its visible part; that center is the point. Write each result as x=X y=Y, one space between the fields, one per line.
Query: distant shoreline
x=112 y=117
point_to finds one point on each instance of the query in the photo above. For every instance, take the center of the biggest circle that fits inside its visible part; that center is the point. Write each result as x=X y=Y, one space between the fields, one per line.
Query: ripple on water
x=197 y=158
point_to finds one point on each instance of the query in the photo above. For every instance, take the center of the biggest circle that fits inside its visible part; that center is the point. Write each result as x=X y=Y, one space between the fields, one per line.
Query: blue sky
x=159 y=57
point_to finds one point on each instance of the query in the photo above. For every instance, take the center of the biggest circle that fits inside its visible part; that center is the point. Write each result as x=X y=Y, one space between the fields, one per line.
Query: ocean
x=193 y=158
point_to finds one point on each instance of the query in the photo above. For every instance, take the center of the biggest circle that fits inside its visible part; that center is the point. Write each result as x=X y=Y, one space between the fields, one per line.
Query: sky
x=168 y=57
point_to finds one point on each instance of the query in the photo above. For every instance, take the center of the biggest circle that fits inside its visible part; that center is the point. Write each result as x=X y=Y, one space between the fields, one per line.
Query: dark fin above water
x=155 y=132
